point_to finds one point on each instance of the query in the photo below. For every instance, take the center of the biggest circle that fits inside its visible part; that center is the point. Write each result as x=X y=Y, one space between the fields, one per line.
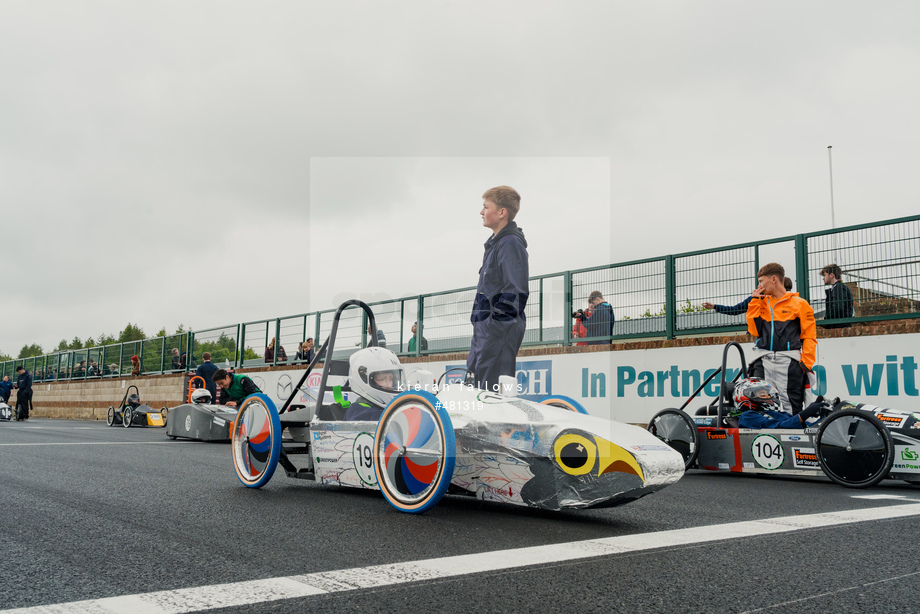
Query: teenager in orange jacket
x=786 y=345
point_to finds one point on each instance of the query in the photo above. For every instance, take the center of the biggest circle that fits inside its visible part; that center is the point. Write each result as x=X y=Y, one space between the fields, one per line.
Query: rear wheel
x=558 y=400
x=110 y=416
x=126 y=416
x=854 y=449
x=414 y=452
x=256 y=440
x=678 y=430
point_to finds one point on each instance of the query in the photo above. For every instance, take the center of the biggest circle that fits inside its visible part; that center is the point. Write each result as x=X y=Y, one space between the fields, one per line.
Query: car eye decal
x=575 y=453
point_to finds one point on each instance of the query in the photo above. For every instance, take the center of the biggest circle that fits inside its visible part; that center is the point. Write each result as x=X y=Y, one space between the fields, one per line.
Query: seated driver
x=375 y=374
x=758 y=407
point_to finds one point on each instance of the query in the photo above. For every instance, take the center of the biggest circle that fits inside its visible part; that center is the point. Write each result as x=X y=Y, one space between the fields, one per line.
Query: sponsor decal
x=915 y=425
x=891 y=420
x=794 y=438
x=188 y=423
x=703 y=421
x=326 y=461
x=219 y=421
x=317 y=435
x=713 y=435
x=906 y=458
x=768 y=452
x=285 y=386
x=805 y=458
x=724 y=466
x=812 y=430
x=747 y=465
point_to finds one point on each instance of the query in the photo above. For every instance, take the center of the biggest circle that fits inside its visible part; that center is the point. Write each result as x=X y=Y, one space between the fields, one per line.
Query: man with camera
x=599 y=322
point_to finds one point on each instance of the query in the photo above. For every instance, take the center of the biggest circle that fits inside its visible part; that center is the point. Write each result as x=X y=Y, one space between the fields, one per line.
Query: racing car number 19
x=364 y=458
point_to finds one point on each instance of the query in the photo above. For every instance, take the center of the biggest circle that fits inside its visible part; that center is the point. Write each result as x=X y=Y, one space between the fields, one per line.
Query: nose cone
x=582 y=454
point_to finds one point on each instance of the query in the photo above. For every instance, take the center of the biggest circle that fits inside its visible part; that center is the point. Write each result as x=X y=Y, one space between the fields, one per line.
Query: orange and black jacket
x=784 y=324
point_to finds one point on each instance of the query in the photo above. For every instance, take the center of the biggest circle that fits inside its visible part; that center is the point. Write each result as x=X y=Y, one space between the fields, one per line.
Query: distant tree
x=89 y=343
x=181 y=329
x=76 y=344
x=161 y=332
x=4 y=357
x=61 y=346
x=28 y=351
x=106 y=339
x=132 y=332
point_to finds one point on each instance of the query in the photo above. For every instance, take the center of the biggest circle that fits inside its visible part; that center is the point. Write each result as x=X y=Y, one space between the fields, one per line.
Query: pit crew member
x=238 y=386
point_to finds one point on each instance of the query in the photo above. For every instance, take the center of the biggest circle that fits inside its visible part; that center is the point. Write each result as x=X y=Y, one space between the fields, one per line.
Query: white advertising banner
x=631 y=386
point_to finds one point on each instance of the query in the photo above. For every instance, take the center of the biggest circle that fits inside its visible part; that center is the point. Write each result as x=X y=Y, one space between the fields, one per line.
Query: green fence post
x=420 y=327
x=670 y=300
x=567 y=292
x=540 y=338
x=801 y=265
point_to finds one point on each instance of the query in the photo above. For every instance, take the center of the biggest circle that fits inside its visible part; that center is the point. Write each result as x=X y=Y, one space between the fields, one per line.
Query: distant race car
x=199 y=420
x=131 y=412
x=431 y=440
x=855 y=445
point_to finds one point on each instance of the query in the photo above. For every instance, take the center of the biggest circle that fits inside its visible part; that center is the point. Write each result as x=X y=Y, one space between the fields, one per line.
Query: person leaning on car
x=238 y=386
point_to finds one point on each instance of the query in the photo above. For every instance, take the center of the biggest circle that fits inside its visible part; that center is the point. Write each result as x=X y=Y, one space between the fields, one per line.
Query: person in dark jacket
x=600 y=322
x=413 y=342
x=206 y=371
x=838 y=298
x=6 y=389
x=237 y=386
x=306 y=352
x=23 y=394
x=501 y=295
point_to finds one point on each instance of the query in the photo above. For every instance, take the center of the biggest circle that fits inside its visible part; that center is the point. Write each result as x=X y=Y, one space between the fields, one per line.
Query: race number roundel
x=767 y=451
x=364 y=458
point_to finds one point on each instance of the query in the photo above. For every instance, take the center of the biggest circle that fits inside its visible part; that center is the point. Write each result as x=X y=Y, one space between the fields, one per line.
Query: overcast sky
x=208 y=163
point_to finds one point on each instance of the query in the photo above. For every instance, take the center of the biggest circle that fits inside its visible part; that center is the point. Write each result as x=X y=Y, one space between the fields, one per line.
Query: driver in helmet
x=757 y=406
x=375 y=374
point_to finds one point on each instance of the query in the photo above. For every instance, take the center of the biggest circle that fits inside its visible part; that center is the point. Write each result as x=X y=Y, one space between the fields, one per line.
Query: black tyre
x=854 y=449
x=165 y=413
x=678 y=430
x=110 y=416
x=126 y=416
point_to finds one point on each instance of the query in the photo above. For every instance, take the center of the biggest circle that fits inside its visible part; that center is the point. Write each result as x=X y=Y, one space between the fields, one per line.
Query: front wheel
x=678 y=430
x=126 y=417
x=110 y=416
x=256 y=440
x=414 y=452
x=558 y=400
x=854 y=449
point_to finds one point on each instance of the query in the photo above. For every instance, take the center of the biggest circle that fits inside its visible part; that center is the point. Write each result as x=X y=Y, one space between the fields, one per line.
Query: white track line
x=275 y=589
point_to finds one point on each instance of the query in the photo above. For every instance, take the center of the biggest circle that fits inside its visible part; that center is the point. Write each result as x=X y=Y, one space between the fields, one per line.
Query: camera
x=578 y=314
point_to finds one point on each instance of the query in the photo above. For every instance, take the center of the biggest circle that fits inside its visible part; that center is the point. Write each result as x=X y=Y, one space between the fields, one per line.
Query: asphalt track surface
x=92 y=512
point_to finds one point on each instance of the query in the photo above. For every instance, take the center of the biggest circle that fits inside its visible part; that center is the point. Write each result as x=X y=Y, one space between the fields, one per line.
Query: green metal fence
x=655 y=297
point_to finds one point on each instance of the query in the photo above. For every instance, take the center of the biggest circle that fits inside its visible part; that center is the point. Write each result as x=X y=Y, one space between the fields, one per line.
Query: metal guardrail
x=655 y=297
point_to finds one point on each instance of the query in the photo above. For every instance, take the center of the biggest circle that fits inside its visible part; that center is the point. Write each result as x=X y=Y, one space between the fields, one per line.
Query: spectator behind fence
x=578 y=329
x=113 y=369
x=413 y=343
x=305 y=352
x=786 y=344
x=838 y=298
x=600 y=322
x=206 y=371
x=176 y=360
x=381 y=338
x=741 y=307
x=135 y=366
x=498 y=316
x=270 y=352
x=93 y=369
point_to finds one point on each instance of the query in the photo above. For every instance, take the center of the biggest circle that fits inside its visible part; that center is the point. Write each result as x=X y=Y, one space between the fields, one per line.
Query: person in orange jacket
x=786 y=346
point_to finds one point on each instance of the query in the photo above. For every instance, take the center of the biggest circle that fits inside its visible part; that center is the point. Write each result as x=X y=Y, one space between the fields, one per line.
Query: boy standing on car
x=501 y=295
x=238 y=386
x=786 y=345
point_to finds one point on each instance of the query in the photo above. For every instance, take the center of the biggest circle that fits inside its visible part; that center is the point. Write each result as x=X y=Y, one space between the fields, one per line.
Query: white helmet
x=202 y=395
x=375 y=374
